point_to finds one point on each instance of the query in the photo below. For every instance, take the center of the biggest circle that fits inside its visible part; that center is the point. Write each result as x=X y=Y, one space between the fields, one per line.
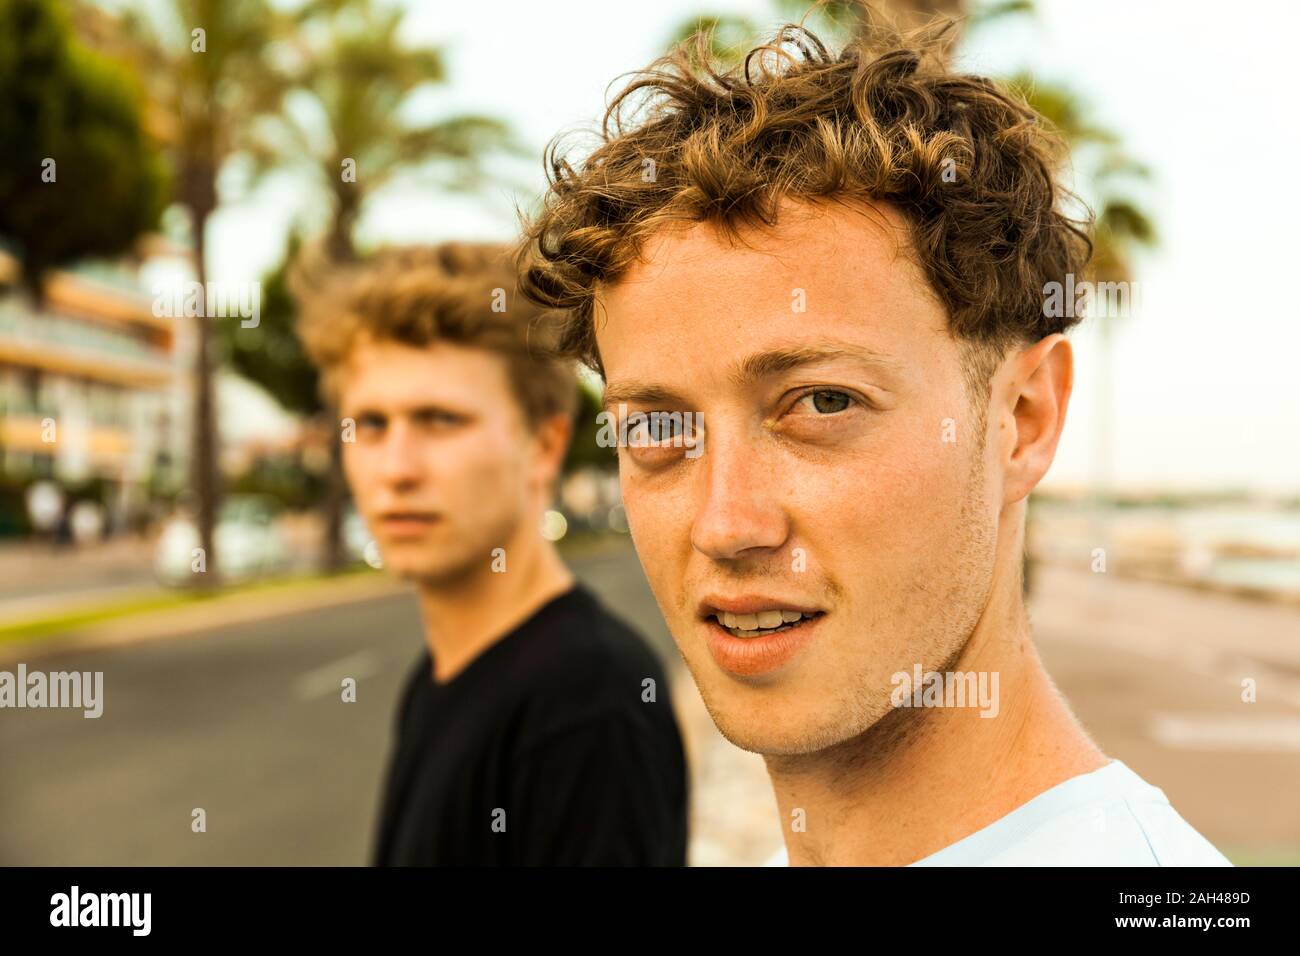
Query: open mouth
x=762 y=623
x=753 y=636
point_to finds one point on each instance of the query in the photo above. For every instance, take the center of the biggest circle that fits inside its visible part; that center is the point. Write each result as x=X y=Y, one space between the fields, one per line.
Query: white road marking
x=328 y=678
x=1227 y=732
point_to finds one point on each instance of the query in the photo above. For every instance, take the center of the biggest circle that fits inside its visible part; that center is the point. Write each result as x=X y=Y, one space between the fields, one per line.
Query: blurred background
x=148 y=146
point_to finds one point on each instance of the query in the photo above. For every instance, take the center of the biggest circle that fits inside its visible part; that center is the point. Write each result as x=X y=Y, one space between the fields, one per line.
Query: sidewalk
x=39 y=579
x=37 y=575
x=191 y=613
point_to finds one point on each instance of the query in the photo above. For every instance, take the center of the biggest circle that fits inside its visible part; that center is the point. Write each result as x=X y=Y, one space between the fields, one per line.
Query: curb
x=220 y=611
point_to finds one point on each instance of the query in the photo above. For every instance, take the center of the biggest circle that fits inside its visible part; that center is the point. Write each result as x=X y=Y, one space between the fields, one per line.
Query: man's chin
x=418 y=568
x=414 y=573
x=769 y=729
x=765 y=741
x=784 y=725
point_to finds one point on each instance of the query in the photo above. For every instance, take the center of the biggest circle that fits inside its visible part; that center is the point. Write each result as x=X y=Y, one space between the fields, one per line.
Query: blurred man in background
x=536 y=727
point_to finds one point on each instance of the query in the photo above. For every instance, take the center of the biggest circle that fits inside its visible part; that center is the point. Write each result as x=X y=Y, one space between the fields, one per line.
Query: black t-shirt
x=542 y=751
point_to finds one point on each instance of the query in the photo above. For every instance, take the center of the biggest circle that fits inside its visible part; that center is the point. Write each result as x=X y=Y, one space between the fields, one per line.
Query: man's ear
x=552 y=436
x=1035 y=395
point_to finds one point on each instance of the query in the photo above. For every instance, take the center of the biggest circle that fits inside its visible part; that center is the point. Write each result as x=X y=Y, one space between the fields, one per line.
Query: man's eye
x=657 y=429
x=827 y=401
x=370 y=423
x=656 y=439
x=437 y=418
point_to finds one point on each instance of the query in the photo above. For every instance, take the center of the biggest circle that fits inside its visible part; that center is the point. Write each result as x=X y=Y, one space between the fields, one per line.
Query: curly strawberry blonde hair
x=970 y=165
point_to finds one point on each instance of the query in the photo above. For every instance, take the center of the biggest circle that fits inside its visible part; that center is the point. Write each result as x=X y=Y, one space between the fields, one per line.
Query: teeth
x=763 y=622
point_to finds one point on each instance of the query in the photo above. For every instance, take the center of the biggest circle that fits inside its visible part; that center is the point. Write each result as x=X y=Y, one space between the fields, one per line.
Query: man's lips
x=749 y=635
x=401 y=523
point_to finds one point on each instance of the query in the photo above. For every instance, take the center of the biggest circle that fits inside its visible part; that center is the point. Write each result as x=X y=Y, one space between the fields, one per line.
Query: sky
x=1204 y=380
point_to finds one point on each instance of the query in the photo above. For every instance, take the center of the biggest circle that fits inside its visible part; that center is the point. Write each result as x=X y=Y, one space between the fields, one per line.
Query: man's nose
x=399 y=458
x=740 y=509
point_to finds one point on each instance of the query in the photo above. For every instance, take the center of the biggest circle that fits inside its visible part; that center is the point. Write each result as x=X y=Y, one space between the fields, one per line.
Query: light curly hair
x=971 y=167
x=463 y=293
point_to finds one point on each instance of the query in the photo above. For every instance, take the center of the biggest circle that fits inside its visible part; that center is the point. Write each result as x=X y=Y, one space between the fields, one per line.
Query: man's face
x=443 y=468
x=841 y=475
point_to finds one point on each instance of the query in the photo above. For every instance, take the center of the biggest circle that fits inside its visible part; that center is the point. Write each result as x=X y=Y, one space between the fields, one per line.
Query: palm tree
x=342 y=126
x=206 y=67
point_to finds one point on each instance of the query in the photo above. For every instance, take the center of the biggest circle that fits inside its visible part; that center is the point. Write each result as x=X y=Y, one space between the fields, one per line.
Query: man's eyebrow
x=762 y=365
x=628 y=392
x=421 y=407
x=758 y=366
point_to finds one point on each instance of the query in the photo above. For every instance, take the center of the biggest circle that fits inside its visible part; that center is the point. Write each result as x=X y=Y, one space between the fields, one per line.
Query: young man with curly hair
x=525 y=733
x=836 y=265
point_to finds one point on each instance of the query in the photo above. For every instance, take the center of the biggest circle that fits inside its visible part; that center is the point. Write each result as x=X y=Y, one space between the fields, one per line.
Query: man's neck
x=462 y=618
x=926 y=777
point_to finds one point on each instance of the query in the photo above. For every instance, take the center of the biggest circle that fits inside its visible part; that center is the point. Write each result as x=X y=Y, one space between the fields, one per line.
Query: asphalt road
x=246 y=722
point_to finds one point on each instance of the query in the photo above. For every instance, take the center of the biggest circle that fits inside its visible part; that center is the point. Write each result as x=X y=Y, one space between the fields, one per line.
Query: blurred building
x=88 y=386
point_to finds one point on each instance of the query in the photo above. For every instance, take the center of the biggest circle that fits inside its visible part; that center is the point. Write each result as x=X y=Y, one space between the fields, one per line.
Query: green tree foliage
x=345 y=126
x=270 y=354
x=584 y=450
x=61 y=101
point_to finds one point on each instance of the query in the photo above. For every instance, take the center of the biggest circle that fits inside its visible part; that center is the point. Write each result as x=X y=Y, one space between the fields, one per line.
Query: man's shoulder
x=1108 y=817
x=588 y=668
x=584 y=644
x=1116 y=834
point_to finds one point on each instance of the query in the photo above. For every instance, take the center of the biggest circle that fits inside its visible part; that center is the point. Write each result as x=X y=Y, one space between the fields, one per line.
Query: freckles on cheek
x=924 y=512
x=882 y=500
x=923 y=482
x=656 y=519
x=638 y=510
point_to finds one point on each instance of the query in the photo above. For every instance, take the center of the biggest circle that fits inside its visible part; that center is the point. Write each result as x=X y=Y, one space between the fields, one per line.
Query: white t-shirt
x=1109 y=817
